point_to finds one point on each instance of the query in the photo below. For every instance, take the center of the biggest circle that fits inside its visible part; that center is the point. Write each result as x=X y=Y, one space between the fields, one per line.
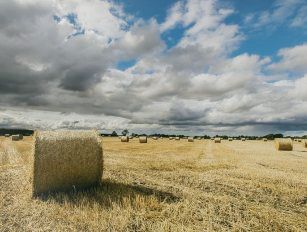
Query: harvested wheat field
x=165 y=185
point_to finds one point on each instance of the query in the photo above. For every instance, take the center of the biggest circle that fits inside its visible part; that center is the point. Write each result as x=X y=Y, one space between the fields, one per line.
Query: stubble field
x=165 y=185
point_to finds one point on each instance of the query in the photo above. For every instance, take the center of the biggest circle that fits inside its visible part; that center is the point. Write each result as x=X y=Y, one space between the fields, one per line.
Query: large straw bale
x=217 y=140
x=66 y=160
x=190 y=139
x=124 y=139
x=284 y=144
x=143 y=139
x=15 y=137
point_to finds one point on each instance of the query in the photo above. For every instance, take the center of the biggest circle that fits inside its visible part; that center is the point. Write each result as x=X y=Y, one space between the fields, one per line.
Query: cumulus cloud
x=293 y=59
x=61 y=56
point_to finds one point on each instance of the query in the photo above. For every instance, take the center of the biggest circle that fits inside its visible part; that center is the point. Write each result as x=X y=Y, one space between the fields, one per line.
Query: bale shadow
x=108 y=193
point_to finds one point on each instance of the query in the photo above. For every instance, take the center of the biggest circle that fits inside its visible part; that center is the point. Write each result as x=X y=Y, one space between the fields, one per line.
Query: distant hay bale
x=190 y=139
x=20 y=137
x=265 y=139
x=284 y=144
x=243 y=139
x=177 y=138
x=124 y=139
x=170 y=138
x=299 y=140
x=143 y=139
x=66 y=160
x=7 y=135
x=230 y=139
x=15 y=137
x=155 y=138
x=217 y=140
x=212 y=138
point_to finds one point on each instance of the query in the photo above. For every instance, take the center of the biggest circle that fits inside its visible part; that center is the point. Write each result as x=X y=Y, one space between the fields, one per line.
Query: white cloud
x=282 y=12
x=293 y=59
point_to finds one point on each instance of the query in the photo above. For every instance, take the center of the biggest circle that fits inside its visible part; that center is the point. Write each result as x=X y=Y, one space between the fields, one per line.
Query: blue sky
x=265 y=41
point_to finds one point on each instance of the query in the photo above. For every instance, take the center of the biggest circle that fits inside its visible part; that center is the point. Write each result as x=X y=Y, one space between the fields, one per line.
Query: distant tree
x=114 y=134
x=273 y=136
x=125 y=132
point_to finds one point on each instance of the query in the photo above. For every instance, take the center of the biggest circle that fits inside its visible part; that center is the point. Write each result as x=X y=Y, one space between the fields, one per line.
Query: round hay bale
x=20 y=137
x=265 y=139
x=66 y=160
x=190 y=139
x=230 y=139
x=212 y=138
x=124 y=139
x=155 y=138
x=177 y=138
x=243 y=139
x=7 y=135
x=217 y=140
x=15 y=137
x=170 y=138
x=299 y=140
x=284 y=144
x=143 y=139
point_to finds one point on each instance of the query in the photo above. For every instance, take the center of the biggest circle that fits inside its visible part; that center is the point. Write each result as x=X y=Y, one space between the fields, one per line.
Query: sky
x=165 y=66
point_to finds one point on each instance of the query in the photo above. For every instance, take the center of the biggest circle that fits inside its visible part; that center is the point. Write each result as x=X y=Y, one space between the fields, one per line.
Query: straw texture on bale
x=7 y=135
x=217 y=140
x=124 y=139
x=190 y=139
x=66 y=160
x=143 y=139
x=284 y=144
x=15 y=137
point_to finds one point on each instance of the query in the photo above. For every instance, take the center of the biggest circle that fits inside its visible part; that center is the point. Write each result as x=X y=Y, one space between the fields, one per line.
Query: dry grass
x=165 y=185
